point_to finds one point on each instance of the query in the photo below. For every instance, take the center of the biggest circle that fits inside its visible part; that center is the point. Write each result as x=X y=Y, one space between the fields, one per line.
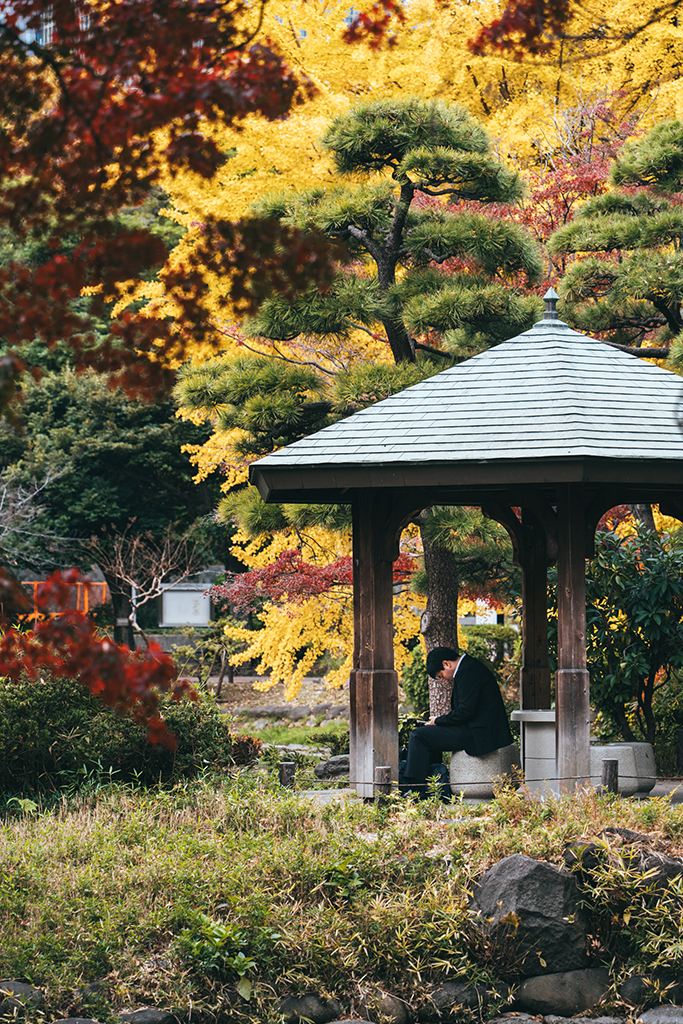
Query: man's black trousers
x=428 y=742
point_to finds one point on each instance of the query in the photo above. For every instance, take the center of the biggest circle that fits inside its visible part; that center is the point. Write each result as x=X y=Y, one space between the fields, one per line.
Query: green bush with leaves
x=415 y=683
x=493 y=644
x=634 y=628
x=54 y=734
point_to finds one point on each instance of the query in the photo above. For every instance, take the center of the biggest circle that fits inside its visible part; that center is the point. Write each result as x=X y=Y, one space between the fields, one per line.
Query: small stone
x=551 y=1018
x=387 y=1008
x=513 y=1018
x=16 y=996
x=296 y=714
x=457 y=993
x=75 y=1020
x=564 y=994
x=662 y=1015
x=641 y=989
x=259 y=724
x=310 y=1007
x=337 y=765
x=148 y=1015
x=312 y=721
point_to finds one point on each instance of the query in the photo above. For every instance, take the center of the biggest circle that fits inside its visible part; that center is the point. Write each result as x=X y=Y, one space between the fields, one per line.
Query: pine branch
x=643 y=353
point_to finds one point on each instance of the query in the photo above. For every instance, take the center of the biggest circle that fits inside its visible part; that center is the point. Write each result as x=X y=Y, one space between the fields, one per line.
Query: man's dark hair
x=436 y=658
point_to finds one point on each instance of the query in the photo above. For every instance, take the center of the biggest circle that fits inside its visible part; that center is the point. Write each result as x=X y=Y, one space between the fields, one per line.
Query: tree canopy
x=626 y=280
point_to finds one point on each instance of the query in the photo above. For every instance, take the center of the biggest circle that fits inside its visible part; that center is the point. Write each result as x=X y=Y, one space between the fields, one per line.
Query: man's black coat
x=477 y=703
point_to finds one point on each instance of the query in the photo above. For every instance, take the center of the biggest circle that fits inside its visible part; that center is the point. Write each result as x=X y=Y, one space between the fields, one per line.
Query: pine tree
x=626 y=282
x=435 y=281
x=406 y=156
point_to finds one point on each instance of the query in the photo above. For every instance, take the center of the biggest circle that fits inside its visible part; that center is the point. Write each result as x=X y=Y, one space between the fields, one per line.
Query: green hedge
x=54 y=734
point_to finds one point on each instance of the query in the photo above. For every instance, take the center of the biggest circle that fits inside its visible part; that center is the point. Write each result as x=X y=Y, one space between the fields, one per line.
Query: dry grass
x=115 y=890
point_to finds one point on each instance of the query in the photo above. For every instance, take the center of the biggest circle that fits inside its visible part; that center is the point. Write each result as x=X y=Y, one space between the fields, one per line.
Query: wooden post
x=535 y=674
x=382 y=781
x=286 y=772
x=572 y=682
x=373 y=684
x=610 y=775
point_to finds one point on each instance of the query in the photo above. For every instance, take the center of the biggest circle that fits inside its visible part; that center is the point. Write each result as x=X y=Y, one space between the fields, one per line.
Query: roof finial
x=550 y=298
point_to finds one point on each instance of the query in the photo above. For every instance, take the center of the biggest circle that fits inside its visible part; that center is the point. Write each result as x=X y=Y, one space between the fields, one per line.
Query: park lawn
x=172 y=898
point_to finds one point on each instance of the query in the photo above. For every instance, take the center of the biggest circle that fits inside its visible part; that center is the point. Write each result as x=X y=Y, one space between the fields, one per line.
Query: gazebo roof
x=549 y=405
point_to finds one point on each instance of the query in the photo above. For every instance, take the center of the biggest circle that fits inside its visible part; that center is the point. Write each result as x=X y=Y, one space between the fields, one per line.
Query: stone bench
x=474 y=777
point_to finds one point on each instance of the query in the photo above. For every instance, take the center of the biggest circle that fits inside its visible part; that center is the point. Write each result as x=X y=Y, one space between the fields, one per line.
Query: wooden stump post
x=610 y=775
x=373 y=683
x=572 y=681
x=286 y=772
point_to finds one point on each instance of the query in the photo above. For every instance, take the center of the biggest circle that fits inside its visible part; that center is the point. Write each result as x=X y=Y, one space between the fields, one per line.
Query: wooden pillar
x=572 y=683
x=373 y=682
x=534 y=690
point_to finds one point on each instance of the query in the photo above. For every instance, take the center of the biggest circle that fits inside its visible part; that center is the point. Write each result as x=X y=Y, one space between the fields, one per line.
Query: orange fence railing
x=88 y=595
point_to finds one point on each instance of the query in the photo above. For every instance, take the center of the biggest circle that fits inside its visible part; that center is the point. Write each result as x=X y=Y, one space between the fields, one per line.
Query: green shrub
x=54 y=734
x=491 y=644
x=415 y=683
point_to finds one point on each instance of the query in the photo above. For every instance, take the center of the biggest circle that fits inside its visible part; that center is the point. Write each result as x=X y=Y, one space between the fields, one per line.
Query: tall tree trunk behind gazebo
x=440 y=619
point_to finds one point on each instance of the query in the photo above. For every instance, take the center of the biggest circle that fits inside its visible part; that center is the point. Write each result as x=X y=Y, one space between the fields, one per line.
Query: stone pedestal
x=538 y=751
x=474 y=776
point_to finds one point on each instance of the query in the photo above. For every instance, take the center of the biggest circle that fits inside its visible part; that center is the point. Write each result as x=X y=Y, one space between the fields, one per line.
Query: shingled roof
x=550 y=396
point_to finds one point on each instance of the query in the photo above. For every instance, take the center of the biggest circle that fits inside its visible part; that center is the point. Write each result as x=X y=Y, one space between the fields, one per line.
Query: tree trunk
x=440 y=620
x=123 y=627
x=643 y=513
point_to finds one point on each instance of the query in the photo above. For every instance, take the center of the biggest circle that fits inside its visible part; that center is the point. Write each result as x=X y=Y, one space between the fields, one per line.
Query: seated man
x=477 y=722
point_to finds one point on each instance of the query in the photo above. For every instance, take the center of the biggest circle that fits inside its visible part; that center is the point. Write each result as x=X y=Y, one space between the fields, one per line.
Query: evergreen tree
x=436 y=279
x=406 y=156
x=626 y=282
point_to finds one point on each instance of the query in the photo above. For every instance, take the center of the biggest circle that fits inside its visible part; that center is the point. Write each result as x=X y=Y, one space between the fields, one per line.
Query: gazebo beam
x=373 y=683
x=572 y=696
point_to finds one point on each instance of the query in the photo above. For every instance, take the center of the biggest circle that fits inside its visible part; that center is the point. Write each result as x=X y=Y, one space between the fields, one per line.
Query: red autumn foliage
x=525 y=26
x=292 y=578
x=373 y=27
x=89 y=115
x=67 y=646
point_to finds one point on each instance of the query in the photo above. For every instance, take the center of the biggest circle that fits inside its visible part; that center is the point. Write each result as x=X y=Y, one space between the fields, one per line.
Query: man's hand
x=432 y=720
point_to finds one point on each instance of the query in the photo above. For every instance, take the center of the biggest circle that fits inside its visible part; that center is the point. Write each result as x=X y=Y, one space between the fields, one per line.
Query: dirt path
x=241 y=694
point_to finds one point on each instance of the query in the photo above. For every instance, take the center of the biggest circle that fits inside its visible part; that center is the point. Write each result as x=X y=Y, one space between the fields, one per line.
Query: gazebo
x=554 y=423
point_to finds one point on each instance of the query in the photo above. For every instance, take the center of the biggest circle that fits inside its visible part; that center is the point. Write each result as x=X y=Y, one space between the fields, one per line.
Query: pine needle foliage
x=411 y=149
x=626 y=282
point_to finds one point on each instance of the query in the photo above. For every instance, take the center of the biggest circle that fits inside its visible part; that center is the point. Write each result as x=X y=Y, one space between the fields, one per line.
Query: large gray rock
x=16 y=996
x=529 y=911
x=309 y=1007
x=337 y=765
x=564 y=994
x=662 y=1015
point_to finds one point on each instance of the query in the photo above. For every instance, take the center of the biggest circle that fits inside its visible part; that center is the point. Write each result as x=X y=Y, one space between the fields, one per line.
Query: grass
x=308 y=734
x=176 y=898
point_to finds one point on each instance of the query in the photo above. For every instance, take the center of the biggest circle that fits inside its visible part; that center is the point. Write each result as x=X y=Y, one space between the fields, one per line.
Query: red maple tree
x=34 y=639
x=96 y=97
